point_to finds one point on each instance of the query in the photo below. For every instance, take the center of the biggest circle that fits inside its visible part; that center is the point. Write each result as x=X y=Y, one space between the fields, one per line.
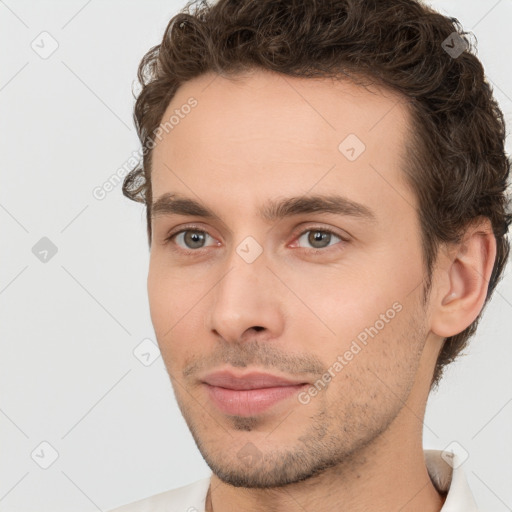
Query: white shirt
x=192 y=497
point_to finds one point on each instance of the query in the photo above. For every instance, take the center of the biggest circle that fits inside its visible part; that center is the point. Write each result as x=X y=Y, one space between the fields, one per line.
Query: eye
x=319 y=238
x=193 y=239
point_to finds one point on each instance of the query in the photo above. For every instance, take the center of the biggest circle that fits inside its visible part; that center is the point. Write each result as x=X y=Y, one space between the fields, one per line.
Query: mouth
x=249 y=394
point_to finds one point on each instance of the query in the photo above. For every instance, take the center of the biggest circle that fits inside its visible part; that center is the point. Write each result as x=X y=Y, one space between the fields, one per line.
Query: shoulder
x=188 y=498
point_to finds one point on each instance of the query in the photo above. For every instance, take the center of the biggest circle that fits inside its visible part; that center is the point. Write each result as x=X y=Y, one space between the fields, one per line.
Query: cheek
x=341 y=301
x=159 y=298
x=175 y=310
x=366 y=319
x=379 y=373
x=171 y=292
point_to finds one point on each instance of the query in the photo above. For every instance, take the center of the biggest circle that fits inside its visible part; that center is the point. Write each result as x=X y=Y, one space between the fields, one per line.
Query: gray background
x=70 y=325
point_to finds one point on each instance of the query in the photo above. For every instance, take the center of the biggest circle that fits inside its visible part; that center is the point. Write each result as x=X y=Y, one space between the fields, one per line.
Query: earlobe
x=466 y=277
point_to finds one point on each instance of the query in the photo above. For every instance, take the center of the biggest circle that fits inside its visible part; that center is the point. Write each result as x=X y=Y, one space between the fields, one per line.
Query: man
x=325 y=188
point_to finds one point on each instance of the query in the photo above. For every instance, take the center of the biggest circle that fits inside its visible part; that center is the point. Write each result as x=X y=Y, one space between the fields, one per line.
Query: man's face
x=246 y=294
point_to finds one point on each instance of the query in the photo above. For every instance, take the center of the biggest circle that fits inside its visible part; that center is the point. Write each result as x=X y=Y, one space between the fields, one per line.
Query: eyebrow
x=272 y=210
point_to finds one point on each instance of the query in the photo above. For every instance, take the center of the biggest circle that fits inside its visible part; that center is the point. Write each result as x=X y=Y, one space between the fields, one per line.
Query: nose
x=247 y=298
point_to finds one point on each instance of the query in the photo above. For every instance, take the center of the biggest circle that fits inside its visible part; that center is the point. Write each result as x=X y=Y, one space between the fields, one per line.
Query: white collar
x=450 y=477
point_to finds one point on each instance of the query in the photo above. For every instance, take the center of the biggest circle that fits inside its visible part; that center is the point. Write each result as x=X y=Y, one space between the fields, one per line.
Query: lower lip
x=250 y=401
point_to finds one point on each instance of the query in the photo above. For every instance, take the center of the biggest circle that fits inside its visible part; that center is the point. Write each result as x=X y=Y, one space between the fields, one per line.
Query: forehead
x=264 y=132
x=261 y=103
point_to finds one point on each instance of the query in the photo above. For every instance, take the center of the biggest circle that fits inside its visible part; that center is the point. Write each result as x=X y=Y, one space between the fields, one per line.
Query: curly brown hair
x=456 y=162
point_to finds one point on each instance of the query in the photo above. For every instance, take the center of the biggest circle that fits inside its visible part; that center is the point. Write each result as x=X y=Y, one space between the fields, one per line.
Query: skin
x=357 y=444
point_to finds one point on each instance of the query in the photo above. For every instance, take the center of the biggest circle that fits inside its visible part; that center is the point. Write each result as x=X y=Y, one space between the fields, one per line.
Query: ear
x=464 y=280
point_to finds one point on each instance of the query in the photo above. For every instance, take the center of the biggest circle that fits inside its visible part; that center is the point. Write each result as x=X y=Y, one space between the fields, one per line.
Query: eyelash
x=195 y=252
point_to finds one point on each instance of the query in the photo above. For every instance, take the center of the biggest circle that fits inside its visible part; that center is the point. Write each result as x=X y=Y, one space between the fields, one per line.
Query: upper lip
x=253 y=380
